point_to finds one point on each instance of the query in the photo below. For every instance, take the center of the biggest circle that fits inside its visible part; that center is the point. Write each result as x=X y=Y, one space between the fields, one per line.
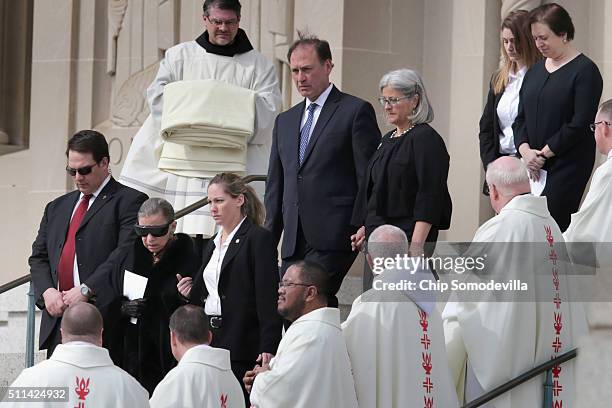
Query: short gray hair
x=154 y=206
x=507 y=174
x=409 y=82
x=387 y=241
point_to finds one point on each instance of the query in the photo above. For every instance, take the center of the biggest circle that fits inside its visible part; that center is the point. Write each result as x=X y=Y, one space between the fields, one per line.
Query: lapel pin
x=104 y=197
x=237 y=240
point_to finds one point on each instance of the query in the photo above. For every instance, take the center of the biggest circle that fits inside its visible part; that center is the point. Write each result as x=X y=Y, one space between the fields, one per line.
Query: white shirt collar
x=104 y=183
x=229 y=237
x=610 y=154
x=320 y=101
x=520 y=73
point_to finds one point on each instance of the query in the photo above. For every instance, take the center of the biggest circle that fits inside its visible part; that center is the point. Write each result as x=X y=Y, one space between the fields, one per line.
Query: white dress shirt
x=507 y=109
x=212 y=307
x=320 y=101
x=75 y=269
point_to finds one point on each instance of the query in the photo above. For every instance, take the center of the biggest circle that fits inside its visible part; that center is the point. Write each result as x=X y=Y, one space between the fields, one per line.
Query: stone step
x=13 y=363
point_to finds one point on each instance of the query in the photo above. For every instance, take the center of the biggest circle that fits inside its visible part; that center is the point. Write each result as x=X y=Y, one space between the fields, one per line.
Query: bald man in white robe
x=83 y=367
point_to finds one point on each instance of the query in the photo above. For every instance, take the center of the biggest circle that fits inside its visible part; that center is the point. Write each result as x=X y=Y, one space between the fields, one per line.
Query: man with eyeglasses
x=79 y=233
x=593 y=222
x=311 y=367
x=224 y=57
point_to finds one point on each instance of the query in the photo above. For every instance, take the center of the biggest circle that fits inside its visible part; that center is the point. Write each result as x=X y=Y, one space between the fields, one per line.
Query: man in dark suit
x=78 y=234
x=320 y=151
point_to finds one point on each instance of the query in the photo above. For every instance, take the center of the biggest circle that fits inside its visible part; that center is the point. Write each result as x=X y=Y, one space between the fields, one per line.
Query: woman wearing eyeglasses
x=137 y=333
x=558 y=101
x=405 y=183
x=519 y=53
x=238 y=281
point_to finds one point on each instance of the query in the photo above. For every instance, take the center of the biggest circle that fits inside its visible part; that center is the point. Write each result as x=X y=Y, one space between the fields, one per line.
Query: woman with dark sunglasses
x=137 y=333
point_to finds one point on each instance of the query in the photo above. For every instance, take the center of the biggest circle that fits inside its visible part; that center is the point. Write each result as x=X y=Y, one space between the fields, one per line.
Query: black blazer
x=489 y=129
x=324 y=187
x=248 y=287
x=413 y=183
x=108 y=225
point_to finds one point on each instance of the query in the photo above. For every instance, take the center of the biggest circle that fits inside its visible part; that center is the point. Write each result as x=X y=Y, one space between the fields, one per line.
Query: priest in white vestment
x=311 y=367
x=491 y=341
x=223 y=53
x=395 y=338
x=593 y=222
x=203 y=376
x=82 y=367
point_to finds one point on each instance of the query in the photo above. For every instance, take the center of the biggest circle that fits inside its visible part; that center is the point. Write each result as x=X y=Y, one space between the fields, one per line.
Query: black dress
x=406 y=182
x=555 y=109
x=143 y=349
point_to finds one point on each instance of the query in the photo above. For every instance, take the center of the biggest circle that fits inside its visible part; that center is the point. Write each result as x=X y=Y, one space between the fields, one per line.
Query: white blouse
x=507 y=109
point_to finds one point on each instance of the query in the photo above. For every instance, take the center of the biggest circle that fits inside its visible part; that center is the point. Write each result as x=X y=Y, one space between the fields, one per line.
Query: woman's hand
x=533 y=159
x=357 y=239
x=184 y=285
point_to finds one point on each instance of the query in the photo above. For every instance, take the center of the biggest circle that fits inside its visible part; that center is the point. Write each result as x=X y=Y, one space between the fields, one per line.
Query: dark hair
x=89 y=141
x=555 y=17
x=189 y=324
x=314 y=274
x=519 y=24
x=233 y=185
x=320 y=46
x=233 y=5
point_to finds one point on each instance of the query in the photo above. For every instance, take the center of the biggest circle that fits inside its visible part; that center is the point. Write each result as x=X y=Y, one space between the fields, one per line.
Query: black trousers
x=336 y=263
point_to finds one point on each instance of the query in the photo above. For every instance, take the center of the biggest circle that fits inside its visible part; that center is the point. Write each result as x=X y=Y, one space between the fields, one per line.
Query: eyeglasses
x=592 y=126
x=391 y=101
x=155 y=230
x=218 y=23
x=283 y=284
x=83 y=171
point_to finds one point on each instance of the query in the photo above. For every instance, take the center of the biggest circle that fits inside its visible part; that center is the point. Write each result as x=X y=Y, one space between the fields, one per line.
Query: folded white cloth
x=206 y=125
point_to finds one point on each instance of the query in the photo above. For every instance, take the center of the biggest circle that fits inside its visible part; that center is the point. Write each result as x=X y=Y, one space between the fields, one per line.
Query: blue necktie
x=305 y=132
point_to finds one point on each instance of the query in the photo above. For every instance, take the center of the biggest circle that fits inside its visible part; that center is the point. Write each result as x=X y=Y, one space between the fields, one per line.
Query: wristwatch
x=85 y=291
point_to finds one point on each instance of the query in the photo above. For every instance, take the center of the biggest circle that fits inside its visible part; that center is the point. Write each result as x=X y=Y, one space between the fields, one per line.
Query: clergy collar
x=82 y=355
x=610 y=154
x=328 y=315
x=240 y=45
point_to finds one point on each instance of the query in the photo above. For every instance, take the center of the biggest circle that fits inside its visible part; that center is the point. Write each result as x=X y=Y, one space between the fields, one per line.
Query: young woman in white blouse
x=519 y=53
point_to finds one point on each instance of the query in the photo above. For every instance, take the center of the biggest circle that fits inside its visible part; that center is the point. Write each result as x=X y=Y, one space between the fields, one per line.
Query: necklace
x=394 y=134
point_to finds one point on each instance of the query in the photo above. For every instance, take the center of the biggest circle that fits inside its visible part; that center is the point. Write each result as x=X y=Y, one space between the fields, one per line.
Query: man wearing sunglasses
x=78 y=234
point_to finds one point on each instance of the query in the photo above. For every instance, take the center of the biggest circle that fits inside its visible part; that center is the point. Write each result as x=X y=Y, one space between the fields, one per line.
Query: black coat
x=555 y=109
x=143 y=349
x=248 y=285
x=325 y=185
x=107 y=228
x=489 y=130
x=412 y=182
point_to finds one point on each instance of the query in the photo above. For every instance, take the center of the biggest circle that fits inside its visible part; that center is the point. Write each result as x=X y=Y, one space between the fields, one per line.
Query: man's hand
x=184 y=285
x=264 y=358
x=54 y=302
x=357 y=239
x=249 y=376
x=73 y=296
x=133 y=308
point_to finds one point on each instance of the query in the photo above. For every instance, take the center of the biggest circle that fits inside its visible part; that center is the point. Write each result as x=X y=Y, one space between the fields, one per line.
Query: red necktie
x=66 y=263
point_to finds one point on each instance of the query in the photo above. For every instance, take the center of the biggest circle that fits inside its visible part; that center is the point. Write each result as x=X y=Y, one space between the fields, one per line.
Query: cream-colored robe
x=396 y=348
x=203 y=378
x=311 y=367
x=189 y=61
x=90 y=375
x=503 y=339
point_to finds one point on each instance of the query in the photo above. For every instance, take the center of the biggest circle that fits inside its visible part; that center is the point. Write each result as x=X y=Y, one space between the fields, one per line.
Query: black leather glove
x=133 y=308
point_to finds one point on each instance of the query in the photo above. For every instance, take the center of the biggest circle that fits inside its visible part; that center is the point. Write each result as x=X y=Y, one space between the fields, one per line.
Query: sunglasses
x=155 y=230
x=83 y=171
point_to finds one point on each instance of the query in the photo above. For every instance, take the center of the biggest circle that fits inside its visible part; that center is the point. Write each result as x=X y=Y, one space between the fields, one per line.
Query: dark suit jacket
x=248 y=287
x=107 y=226
x=489 y=130
x=322 y=190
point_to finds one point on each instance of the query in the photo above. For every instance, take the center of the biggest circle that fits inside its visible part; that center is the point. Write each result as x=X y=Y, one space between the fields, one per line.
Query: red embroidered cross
x=553 y=256
x=428 y=385
x=428 y=402
x=557 y=344
x=549 y=236
x=558 y=322
x=82 y=388
x=557 y=300
x=558 y=404
x=557 y=388
x=81 y=405
x=425 y=341
x=423 y=320
x=223 y=401
x=426 y=363
x=556 y=370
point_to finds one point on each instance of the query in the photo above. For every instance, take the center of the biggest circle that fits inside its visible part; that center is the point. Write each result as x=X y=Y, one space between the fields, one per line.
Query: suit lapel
x=65 y=213
x=330 y=106
x=293 y=138
x=234 y=246
x=104 y=197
